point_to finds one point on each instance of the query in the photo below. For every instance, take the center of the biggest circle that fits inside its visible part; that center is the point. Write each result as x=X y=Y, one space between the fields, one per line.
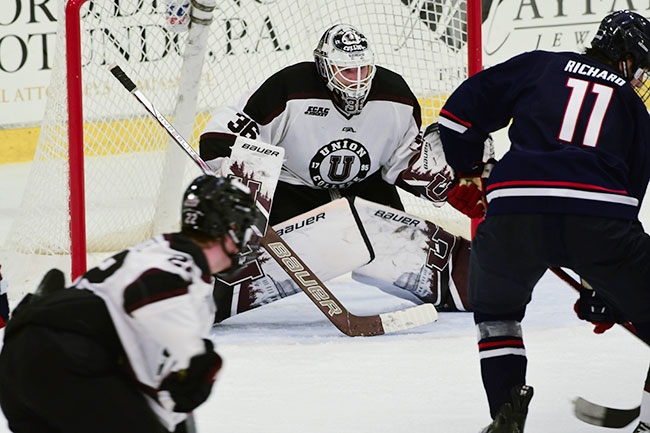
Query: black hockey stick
x=604 y=416
x=593 y=413
x=299 y=272
x=564 y=276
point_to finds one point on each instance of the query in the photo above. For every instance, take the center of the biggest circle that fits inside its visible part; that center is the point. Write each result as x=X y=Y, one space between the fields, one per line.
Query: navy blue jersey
x=580 y=136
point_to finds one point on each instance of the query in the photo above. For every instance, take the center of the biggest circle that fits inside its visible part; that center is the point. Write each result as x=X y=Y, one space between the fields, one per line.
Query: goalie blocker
x=398 y=253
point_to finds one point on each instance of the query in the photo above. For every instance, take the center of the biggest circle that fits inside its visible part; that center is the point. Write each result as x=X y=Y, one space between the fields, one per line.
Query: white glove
x=428 y=175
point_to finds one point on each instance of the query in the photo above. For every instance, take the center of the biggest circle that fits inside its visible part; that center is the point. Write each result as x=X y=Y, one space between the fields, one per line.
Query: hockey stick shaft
x=162 y=120
x=297 y=270
x=585 y=410
x=564 y=276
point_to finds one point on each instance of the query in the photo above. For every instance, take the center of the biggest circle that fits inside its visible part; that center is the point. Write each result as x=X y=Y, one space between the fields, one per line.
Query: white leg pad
x=414 y=258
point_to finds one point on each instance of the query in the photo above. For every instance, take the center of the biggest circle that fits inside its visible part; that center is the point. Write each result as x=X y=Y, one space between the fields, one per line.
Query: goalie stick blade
x=387 y=323
x=604 y=416
x=408 y=318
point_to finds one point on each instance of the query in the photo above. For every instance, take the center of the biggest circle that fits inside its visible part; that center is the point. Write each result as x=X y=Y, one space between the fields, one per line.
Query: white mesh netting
x=127 y=185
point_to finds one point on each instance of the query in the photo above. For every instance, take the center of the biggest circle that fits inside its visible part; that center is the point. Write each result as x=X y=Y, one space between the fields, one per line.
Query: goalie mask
x=346 y=64
x=217 y=206
x=624 y=38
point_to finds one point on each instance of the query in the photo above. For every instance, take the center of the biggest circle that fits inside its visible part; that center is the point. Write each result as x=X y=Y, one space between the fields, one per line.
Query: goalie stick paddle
x=297 y=270
x=604 y=416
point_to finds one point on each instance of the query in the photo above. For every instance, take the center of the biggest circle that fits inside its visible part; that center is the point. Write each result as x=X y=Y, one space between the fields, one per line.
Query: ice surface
x=287 y=369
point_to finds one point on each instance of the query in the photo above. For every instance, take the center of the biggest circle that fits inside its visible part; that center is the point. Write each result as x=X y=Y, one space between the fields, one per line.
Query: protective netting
x=132 y=177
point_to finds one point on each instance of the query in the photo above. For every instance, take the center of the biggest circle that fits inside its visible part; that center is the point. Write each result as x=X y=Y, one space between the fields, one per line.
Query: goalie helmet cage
x=104 y=174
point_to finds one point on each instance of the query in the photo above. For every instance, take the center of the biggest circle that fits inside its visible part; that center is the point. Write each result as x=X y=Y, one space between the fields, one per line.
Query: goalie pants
x=291 y=200
x=510 y=253
x=61 y=382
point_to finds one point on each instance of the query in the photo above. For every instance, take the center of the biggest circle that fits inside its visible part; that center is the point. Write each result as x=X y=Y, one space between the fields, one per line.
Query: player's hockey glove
x=467 y=194
x=192 y=386
x=592 y=308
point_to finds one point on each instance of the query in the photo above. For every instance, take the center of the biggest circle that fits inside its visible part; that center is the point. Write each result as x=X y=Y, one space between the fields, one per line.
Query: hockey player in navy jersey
x=349 y=128
x=566 y=194
x=126 y=348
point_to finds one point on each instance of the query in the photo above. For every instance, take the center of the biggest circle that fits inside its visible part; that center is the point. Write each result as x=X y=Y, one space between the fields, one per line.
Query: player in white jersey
x=126 y=348
x=348 y=128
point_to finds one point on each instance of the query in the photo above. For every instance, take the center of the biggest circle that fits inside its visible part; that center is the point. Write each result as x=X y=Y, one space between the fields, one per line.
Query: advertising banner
x=28 y=38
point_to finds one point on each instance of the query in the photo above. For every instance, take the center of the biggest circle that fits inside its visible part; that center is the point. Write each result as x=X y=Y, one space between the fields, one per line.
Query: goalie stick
x=308 y=282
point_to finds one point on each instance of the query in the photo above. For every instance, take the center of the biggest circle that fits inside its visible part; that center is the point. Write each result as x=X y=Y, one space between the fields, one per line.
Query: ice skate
x=511 y=417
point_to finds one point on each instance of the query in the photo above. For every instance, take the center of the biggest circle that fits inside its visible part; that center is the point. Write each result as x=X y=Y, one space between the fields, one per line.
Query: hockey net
x=133 y=177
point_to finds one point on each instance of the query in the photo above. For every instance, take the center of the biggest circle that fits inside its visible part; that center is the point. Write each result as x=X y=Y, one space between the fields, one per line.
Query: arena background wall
x=28 y=34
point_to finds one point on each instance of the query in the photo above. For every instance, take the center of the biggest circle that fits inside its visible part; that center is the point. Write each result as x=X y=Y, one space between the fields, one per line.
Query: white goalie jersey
x=325 y=148
x=159 y=296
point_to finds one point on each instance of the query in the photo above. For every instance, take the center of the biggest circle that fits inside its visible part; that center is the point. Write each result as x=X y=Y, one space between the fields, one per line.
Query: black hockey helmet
x=218 y=206
x=624 y=35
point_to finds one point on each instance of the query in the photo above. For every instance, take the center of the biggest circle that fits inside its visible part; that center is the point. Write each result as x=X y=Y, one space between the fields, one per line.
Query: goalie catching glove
x=592 y=308
x=192 y=386
x=467 y=195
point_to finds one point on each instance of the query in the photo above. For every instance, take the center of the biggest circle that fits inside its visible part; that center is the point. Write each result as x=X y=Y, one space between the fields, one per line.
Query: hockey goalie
x=350 y=131
x=401 y=254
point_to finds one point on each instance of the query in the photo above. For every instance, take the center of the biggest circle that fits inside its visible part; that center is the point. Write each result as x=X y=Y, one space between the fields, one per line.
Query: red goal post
x=104 y=176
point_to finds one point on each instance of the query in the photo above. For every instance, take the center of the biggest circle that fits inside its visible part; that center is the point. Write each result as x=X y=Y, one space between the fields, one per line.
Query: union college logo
x=339 y=164
x=350 y=41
